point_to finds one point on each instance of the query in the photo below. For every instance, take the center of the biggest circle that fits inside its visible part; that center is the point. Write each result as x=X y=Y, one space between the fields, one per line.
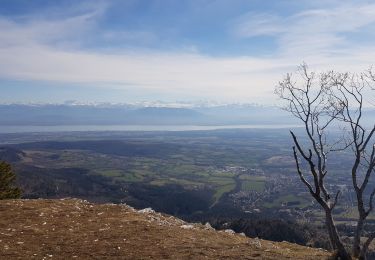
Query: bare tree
x=323 y=102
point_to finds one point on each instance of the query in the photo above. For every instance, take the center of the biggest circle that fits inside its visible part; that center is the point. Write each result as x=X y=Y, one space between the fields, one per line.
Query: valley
x=190 y=174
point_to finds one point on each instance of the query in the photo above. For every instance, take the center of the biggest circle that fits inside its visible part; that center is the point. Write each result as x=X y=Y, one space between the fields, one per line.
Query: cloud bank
x=54 y=49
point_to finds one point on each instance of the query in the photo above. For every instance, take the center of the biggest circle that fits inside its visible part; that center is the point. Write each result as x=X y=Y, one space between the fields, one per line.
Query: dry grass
x=75 y=229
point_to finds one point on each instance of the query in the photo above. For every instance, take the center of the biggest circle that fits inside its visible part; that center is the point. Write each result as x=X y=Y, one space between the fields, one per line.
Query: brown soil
x=76 y=229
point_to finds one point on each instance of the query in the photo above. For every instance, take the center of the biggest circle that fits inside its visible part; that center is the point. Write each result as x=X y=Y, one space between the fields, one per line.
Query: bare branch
x=308 y=185
x=322 y=102
x=333 y=205
x=371 y=205
x=366 y=245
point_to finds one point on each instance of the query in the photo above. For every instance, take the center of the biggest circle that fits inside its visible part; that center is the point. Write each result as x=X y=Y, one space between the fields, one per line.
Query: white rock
x=229 y=231
x=187 y=226
x=146 y=211
x=208 y=226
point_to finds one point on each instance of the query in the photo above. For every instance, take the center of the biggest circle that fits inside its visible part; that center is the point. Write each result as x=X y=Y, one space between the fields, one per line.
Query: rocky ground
x=76 y=229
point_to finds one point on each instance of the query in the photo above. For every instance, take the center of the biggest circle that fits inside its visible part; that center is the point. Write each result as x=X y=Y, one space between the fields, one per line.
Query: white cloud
x=253 y=24
x=310 y=32
x=42 y=32
x=32 y=50
x=174 y=72
x=29 y=52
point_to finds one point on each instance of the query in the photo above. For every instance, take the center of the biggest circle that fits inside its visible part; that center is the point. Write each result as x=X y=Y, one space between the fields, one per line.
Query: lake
x=84 y=128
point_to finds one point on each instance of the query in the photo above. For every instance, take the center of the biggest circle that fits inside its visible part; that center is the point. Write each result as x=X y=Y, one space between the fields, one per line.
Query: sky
x=124 y=51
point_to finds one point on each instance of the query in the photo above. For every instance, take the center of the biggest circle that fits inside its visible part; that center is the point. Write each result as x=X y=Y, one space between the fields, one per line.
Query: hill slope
x=71 y=228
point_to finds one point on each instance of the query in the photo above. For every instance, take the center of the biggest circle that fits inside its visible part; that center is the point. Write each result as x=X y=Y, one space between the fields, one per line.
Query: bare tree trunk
x=320 y=102
x=342 y=253
x=331 y=236
x=363 y=253
x=357 y=237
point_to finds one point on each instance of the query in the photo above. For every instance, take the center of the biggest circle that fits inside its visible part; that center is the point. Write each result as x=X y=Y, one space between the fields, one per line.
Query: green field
x=221 y=190
x=290 y=200
x=241 y=168
x=253 y=185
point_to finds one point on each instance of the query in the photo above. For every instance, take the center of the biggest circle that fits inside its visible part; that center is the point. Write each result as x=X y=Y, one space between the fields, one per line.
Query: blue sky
x=133 y=50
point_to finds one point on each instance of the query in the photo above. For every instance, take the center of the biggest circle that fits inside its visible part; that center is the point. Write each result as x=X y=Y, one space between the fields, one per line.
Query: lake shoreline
x=142 y=128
